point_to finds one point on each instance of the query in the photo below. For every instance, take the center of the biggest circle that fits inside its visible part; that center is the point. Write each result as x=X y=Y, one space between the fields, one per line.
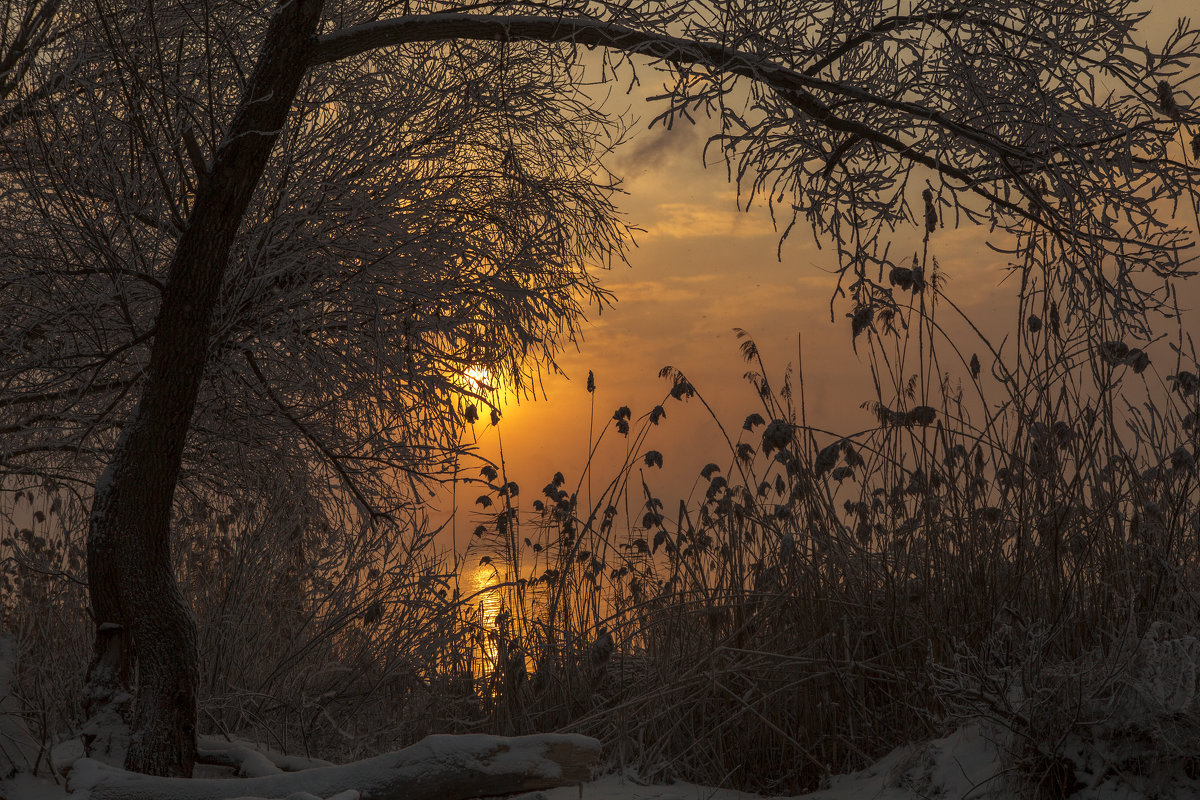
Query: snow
x=424 y=764
x=966 y=765
x=617 y=787
x=27 y=787
x=962 y=766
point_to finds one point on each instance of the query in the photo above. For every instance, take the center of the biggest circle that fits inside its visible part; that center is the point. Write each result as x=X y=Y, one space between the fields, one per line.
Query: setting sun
x=479 y=379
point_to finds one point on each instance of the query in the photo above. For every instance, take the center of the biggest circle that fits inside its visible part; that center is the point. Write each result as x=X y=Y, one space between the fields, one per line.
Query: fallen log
x=436 y=768
x=244 y=761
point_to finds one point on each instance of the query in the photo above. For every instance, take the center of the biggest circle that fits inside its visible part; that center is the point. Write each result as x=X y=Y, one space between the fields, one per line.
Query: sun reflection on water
x=484 y=587
x=485 y=598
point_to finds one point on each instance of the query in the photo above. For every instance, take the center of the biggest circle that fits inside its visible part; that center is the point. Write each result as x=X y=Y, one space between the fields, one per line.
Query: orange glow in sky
x=700 y=269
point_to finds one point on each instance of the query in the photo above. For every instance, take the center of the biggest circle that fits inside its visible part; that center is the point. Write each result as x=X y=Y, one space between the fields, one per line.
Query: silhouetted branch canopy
x=1055 y=117
x=440 y=199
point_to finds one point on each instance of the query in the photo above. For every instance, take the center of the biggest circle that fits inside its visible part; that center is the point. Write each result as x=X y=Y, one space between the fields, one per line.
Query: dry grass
x=1019 y=544
x=1004 y=546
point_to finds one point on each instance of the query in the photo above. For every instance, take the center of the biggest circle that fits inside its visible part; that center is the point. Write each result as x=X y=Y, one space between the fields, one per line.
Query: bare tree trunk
x=129 y=549
x=131 y=580
x=109 y=671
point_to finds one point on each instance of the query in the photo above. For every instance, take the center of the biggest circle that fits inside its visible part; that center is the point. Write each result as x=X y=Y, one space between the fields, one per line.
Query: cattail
x=860 y=320
x=1113 y=353
x=1166 y=101
x=1138 y=359
x=1185 y=382
x=902 y=277
x=921 y=415
x=827 y=458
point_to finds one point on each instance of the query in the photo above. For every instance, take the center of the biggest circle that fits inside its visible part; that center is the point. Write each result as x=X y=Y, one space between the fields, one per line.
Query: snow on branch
x=1050 y=118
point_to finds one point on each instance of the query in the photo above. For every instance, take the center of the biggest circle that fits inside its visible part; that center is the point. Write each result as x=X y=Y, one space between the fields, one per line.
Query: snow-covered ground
x=963 y=766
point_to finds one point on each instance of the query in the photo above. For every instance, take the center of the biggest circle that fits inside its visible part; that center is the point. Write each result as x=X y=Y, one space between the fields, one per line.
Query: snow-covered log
x=248 y=760
x=244 y=761
x=436 y=768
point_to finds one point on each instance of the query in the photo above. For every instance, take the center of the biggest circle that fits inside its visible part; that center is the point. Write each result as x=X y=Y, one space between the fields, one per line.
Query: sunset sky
x=265 y=267
x=701 y=269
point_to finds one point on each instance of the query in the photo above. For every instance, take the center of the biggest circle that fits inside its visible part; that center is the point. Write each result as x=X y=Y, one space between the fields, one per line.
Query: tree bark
x=436 y=768
x=131 y=580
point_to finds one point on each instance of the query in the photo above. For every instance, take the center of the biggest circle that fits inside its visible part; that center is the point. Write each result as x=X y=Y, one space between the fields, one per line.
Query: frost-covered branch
x=797 y=85
x=1044 y=115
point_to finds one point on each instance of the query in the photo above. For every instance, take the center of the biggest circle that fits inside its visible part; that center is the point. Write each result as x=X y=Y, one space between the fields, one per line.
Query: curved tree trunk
x=135 y=598
x=131 y=580
x=109 y=671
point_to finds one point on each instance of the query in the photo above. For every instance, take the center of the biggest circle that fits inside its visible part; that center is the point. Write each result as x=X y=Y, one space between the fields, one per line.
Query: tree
x=828 y=111
x=362 y=287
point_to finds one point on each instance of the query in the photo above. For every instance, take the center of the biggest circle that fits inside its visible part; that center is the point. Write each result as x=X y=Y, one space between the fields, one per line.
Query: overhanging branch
x=330 y=457
x=797 y=87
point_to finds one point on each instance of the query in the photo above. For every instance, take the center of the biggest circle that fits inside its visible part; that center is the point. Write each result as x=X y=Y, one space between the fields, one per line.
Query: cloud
x=693 y=220
x=653 y=149
x=675 y=288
